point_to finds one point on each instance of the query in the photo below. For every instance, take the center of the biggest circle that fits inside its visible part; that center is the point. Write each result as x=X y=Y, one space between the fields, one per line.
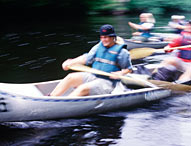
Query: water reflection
x=99 y=130
x=167 y=124
x=140 y=128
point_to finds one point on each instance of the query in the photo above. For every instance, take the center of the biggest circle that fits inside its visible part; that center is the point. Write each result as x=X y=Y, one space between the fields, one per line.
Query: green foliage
x=153 y=6
x=102 y=5
x=88 y=6
x=159 y=6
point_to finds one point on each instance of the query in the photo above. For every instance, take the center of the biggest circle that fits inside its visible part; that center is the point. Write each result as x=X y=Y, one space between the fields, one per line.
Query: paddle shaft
x=172 y=86
x=137 y=81
x=173 y=48
x=151 y=83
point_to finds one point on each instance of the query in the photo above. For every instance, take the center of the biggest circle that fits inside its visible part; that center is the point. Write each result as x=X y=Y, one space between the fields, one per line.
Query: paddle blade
x=172 y=86
x=139 y=53
x=120 y=40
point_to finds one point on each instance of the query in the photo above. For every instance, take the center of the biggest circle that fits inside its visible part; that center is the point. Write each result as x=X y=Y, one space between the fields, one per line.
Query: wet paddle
x=139 y=53
x=129 y=79
x=136 y=80
x=172 y=86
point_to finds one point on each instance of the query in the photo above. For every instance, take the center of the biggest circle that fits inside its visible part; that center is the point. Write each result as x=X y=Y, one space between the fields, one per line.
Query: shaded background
x=59 y=8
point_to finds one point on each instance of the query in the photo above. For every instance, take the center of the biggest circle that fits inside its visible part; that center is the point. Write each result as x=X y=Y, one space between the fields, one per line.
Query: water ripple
x=14 y=58
x=35 y=67
x=51 y=34
x=43 y=47
x=4 y=55
x=24 y=44
x=67 y=43
x=34 y=33
x=13 y=38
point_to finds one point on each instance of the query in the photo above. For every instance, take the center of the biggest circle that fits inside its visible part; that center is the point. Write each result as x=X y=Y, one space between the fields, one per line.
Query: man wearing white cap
x=177 y=23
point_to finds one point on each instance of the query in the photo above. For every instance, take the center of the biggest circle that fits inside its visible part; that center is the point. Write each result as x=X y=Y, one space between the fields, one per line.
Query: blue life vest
x=185 y=53
x=106 y=58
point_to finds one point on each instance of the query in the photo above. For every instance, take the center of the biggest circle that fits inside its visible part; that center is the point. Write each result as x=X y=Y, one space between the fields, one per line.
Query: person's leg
x=183 y=67
x=82 y=90
x=167 y=71
x=71 y=80
x=186 y=76
x=96 y=86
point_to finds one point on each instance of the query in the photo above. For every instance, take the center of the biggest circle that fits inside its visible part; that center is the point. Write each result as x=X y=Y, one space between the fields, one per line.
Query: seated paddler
x=177 y=23
x=144 y=28
x=106 y=56
x=179 y=61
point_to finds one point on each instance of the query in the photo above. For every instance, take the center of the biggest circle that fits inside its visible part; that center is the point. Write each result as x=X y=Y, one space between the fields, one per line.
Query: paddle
x=130 y=80
x=172 y=86
x=139 y=53
x=136 y=81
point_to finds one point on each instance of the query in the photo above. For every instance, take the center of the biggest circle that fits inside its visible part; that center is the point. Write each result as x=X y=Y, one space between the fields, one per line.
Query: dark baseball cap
x=107 y=30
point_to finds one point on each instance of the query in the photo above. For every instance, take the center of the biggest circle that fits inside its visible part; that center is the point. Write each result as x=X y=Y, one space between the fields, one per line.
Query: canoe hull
x=157 y=45
x=14 y=107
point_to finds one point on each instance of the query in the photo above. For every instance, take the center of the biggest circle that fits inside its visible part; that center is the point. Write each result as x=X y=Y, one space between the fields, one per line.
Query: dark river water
x=33 y=51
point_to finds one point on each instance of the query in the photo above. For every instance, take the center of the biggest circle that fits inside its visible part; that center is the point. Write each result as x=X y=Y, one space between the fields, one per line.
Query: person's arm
x=124 y=61
x=175 y=43
x=176 y=25
x=87 y=59
x=134 y=26
x=145 y=26
x=78 y=60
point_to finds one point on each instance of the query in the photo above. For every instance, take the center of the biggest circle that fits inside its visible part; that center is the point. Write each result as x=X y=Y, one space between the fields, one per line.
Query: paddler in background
x=143 y=28
x=177 y=24
x=180 y=62
x=106 y=56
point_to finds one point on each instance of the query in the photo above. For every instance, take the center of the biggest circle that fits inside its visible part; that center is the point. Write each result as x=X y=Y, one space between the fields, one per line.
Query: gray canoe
x=157 y=45
x=27 y=102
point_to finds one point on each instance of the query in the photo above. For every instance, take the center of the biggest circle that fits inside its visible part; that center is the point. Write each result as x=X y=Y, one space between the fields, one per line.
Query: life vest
x=145 y=33
x=185 y=53
x=106 y=58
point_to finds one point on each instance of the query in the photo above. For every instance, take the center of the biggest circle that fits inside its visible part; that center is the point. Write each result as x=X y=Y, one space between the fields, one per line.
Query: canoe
x=157 y=45
x=27 y=102
x=166 y=35
x=154 y=41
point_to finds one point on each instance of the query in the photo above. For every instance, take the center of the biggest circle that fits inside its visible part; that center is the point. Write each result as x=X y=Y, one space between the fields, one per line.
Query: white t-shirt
x=147 y=25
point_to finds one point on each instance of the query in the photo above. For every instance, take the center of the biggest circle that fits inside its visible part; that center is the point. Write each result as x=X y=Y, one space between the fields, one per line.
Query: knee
x=73 y=79
x=83 y=90
x=72 y=76
x=84 y=87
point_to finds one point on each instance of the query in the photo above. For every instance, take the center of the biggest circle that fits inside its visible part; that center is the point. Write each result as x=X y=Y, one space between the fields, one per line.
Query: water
x=34 y=52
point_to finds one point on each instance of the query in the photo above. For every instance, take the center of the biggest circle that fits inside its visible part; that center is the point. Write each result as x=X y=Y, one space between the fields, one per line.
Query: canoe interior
x=46 y=88
x=37 y=89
